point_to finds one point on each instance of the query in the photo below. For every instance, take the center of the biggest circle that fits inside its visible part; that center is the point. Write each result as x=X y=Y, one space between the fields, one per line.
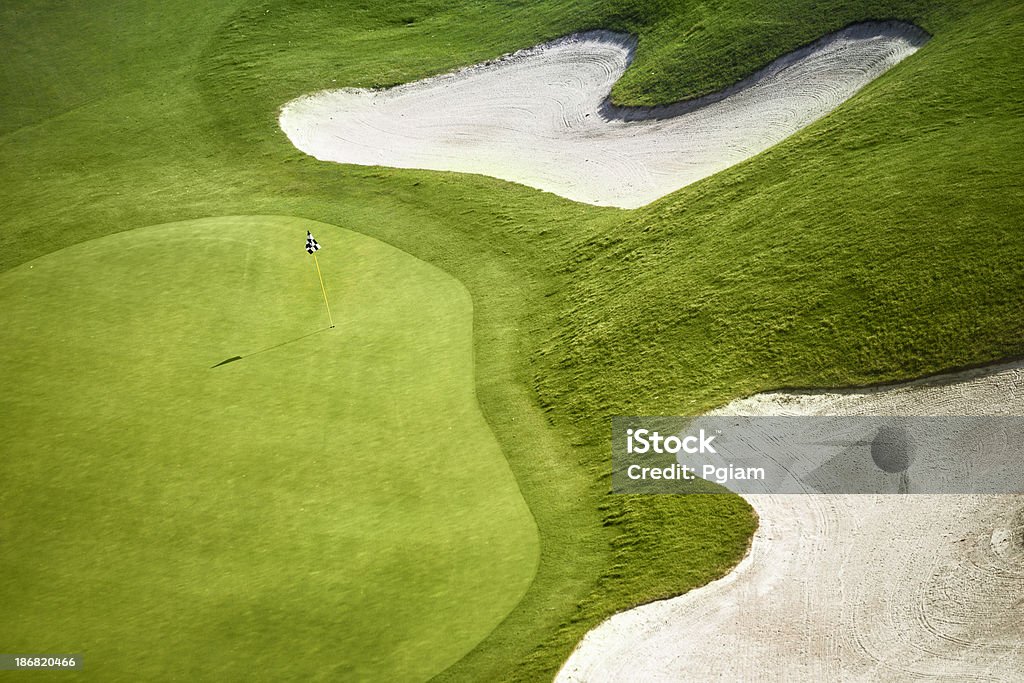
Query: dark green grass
x=883 y=242
x=330 y=506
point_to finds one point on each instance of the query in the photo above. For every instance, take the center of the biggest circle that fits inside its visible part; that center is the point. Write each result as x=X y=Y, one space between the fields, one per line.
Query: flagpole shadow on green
x=312 y=246
x=270 y=348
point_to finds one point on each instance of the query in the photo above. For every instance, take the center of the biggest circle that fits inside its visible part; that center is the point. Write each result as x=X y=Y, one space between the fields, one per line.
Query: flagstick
x=323 y=289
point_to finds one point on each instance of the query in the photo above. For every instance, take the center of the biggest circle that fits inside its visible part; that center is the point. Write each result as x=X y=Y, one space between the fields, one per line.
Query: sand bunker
x=541 y=117
x=847 y=587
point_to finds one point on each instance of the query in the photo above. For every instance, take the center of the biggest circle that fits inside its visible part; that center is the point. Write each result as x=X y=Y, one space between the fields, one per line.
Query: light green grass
x=333 y=506
x=883 y=242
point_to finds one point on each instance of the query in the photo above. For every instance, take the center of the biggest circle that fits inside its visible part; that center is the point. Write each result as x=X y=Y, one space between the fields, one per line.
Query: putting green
x=331 y=506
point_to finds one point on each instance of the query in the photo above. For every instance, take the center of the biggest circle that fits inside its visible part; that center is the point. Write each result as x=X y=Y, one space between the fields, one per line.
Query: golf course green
x=332 y=505
x=167 y=519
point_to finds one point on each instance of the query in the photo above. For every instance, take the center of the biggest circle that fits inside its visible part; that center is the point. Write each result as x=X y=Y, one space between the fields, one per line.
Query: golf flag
x=311 y=244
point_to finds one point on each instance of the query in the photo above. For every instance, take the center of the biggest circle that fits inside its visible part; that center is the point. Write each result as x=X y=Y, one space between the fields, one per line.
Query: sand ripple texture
x=848 y=588
x=542 y=117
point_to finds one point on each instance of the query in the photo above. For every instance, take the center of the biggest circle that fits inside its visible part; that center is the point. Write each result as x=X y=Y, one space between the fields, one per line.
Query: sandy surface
x=541 y=116
x=920 y=587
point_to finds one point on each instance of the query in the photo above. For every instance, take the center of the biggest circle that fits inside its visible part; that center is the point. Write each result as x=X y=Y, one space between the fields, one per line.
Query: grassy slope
x=258 y=520
x=881 y=243
x=790 y=269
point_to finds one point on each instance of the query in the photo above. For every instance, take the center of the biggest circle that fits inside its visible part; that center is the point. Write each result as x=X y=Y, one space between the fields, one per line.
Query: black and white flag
x=311 y=244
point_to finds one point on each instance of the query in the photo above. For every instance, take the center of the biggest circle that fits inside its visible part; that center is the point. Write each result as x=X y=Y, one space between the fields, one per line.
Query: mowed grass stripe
x=331 y=505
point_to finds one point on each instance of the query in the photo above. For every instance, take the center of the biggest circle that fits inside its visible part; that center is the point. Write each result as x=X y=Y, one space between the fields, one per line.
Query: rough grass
x=882 y=242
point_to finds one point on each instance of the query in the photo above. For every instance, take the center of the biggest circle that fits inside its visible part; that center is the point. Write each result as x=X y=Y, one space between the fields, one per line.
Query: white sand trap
x=872 y=588
x=541 y=116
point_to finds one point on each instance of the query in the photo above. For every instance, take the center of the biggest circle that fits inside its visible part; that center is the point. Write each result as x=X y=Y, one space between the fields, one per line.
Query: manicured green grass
x=332 y=506
x=882 y=242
